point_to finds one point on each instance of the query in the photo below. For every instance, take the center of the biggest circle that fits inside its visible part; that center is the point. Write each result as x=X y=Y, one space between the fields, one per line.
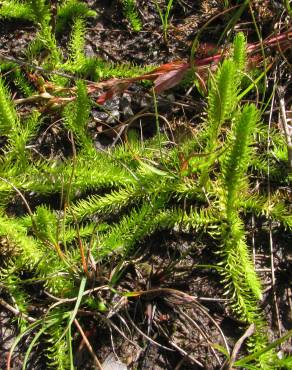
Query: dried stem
x=88 y=345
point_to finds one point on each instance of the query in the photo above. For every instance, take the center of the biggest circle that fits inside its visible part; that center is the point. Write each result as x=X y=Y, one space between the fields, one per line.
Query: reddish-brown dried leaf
x=170 y=74
x=170 y=79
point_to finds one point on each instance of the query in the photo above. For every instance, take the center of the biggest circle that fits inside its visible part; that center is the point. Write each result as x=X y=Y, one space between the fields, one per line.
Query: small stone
x=89 y=53
x=113 y=117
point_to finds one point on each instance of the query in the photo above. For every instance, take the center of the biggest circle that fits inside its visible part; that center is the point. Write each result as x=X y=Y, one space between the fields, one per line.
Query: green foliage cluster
x=113 y=199
x=39 y=11
x=164 y=16
x=130 y=11
x=44 y=44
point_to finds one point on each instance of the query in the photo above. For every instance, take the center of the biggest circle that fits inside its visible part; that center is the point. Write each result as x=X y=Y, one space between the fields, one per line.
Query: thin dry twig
x=184 y=298
x=287 y=130
x=123 y=301
x=111 y=324
x=180 y=350
x=289 y=295
x=203 y=333
x=145 y=335
x=20 y=62
x=60 y=301
x=250 y=330
x=16 y=312
x=86 y=292
x=88 y=345
x=273 y=283
x=270 y=221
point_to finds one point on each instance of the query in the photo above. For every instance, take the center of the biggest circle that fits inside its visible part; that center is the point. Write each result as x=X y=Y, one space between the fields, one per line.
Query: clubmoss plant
x=70 y=10
x=8 y=115
x=112 y=199
x=19 y=9
x=39 y=12
x=45 y=45
x=130 y=12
